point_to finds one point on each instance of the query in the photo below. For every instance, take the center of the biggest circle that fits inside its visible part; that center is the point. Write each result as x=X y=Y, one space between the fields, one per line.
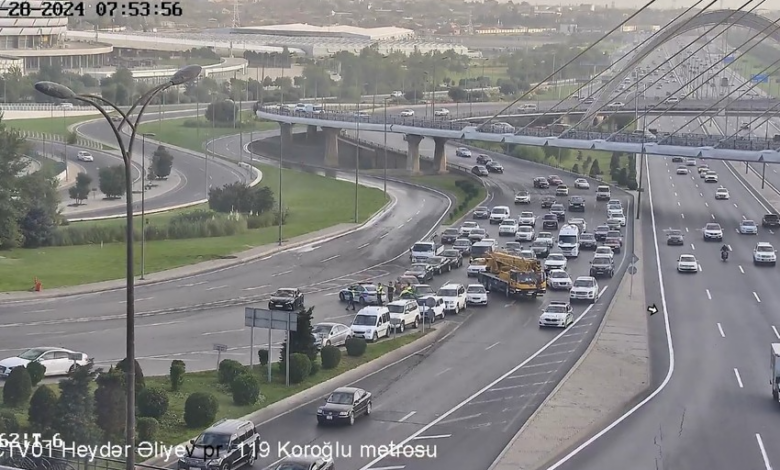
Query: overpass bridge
x=704 y=146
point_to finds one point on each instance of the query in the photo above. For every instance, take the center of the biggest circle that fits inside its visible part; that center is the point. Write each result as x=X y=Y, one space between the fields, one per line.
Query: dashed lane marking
x=407 y=416
x=720 y=330
x=757 y=298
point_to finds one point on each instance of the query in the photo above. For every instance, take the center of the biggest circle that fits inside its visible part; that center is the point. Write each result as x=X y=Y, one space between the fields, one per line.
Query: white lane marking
x=209 y=333
x=735 y=205
x=757 y=298
x=437 y=436
x=363 y=246
x=492 y=346
x=409 y=219
x=52 y=333
x=407 y=416
x=739 y=379
x=402 y=225
x=693 y=247
x=282 y=273
x=417 y=213
x=330 y=259
x=392 y=467
x=774 y=330
x=720 y=330
x=682 y=215
x=41 y=311
x=193 y=284
x=713 y=216
x=729 y=247
x=686 y=230
x=137 y=300
x=700 y=194
x=669 y=342
x=442 y=372
x=706 y=205
x=216 y=287
x=678 y=203
x=762 y=449
x=383 y=236
x=700 y=268
x=741 y=269
x=675 y=194
x=257 y=287
x=766 y=209
x=709 y=296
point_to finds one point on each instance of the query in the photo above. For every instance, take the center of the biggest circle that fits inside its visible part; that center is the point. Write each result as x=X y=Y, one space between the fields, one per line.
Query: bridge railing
x=446 y=123
x=42 y=107
x=45 y=137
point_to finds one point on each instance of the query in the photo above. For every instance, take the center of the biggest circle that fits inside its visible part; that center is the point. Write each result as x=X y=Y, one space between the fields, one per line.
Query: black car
x=286 y=298
x=463 y=245
x=449 y=235
x=601 y=232
x=559 y=211
x=588 y=241
x=344 y=405
x=481 y=212
x=541 y=249
x=229 y=443
x=550 y=222
x=439 y=264
x=494 y=167
x=675 y=238
x=770 y=220
x=577 y=204
x=479 y=170
x=541 y=182
x=422 y=271
x=548 y=201
x=455 y=257
x=602 y=266
x=304 y=463
x=677 y=159
x=483 y=159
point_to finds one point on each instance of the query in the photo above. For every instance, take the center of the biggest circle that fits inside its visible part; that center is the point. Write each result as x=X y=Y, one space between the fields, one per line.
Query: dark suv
x=577 y=204
x=550 y=222
x=541 y=182
x=602 y=266
x=770 y=220
x=228 y=444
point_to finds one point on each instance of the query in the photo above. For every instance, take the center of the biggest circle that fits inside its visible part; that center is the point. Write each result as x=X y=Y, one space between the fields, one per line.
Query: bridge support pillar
x=439 y=156
x=413 y=152
x=286 y=135
x=331 y=146
x=311 y=133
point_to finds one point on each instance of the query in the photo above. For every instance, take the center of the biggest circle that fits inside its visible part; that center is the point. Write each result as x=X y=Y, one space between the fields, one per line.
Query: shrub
x=40 y=414
x=262 y=357
x=200 y=409
x=37 y=371
x=140 y=383
x=331 y=357
x=356 y=347
x=246 y=389
x=8 y=422
x=147 y=428
x=178 y=369
x=632 y=184
x=152 y=402
x=315 y=367
x=18 y=387
x=229 y=369
x=300 y=367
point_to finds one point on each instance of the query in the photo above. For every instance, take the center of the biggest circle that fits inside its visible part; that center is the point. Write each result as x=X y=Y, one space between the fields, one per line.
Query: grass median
x=56 y=125
x=314 y=203
x=192 y=134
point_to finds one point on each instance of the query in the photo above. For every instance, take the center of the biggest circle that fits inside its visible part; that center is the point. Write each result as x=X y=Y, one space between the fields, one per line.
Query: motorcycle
x=724 y=255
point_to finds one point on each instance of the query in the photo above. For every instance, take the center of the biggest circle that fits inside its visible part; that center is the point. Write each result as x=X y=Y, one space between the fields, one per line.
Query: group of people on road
x=404 y=291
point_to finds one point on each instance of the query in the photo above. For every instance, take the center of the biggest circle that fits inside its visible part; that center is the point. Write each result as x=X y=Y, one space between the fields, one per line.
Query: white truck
x=569 y=240
x=422 y=250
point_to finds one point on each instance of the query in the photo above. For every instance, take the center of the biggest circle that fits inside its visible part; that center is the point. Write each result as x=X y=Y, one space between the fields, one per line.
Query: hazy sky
x=658 y=4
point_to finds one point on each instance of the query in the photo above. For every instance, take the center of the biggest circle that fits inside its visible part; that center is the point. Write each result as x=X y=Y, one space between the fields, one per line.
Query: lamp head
x=55 y=90
x=186 y=74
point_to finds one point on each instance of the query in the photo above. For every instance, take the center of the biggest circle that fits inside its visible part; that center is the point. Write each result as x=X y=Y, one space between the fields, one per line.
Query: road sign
x=271 y=319
x=652 y=309
x=634 y=259
x=219 y=348
x=760 y=78
x=728 y=59
x=632 y=270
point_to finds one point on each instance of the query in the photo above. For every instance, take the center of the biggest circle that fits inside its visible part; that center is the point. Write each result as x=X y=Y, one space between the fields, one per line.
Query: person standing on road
x=380 y=290
x=350 y=300
x=390 y=291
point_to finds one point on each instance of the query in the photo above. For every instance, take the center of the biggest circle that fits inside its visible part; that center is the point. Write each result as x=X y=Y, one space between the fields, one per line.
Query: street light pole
x=58 y=91
x=143 y=201
x=357 y=158
x=384 y=186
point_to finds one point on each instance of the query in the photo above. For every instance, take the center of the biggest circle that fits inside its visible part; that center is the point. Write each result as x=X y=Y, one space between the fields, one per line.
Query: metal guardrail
x=446 y=124
x=43 y=107
x=45 y=137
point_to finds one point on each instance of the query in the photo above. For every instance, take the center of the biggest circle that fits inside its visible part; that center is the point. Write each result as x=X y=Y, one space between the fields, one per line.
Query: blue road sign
x=760 y=78
x=728 y=59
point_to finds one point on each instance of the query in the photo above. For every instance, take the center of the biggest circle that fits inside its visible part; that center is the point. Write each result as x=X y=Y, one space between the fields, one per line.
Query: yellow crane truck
x=513 y=275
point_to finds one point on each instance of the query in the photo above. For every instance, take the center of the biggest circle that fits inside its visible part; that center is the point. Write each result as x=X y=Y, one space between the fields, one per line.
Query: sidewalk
x=611 y=373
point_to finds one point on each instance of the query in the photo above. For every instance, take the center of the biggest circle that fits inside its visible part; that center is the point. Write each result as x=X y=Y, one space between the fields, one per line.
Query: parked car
x=330 y=334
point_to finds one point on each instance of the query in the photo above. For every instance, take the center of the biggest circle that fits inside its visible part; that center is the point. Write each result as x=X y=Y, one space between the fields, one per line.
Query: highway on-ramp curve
x=474 y=390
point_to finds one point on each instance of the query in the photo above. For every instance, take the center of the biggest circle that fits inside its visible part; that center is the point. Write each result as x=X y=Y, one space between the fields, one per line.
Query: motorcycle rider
x=724 y=251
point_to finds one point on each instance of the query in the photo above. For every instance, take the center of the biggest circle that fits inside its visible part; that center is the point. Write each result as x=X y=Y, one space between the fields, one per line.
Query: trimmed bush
x=147 y=428
x=37 y=372
x=315 y=367
x=356 y=347
x=262 y=357
x=18 y=387
x=300 y=367
x=229 y=369
x=331 y=357
x=178 y=369
x=8 y=422
x=140 y=383
x=200 y=410
x=40 y=414
x=152 y=402
x=246 y=389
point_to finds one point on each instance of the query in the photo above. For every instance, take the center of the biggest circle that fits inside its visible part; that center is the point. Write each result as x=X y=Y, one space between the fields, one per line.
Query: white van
x=371 y=323
x=569 y=241
x=603 y=193
x=404 y=313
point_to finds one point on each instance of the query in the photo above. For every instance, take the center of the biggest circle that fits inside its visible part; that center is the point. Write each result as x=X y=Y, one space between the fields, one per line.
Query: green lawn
x=172 y=428
x=749 y=65
x=556 y=93
x=57 y=125
x=173 y=131
x=74 y=265
x=495 y=72
x=446 y=183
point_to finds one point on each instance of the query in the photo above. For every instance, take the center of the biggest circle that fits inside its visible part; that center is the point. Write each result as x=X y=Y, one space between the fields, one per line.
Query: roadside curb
x=321 y=390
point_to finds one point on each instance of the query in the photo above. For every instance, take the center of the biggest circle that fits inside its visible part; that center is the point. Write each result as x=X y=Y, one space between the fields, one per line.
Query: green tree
x=140 y=381
x=40 y=414
x=507 y=87
x=457 y=94
x=18 y=387
x=80 y=191
x=225 y=111
x=614 y=161
x=74 y=414
x=302 y=340
x=110 y=399
x=162 y=162
x=241 y=198
x=594 y=169
x=112 y=181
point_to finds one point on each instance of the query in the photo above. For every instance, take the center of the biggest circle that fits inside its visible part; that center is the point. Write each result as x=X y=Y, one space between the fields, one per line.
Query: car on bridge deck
x=770 y=221
x=494 y=167
x=480 y=170
x=462 y=152
x=711 y=177
x=407 y=113
x=687 y=264
x=681 y=170
x=712 y=231
x=675 y=237
x=721 y=193
x=541 y=182
x=482 y=159
x=441 y=112
x=748 y=227
x=764 y=253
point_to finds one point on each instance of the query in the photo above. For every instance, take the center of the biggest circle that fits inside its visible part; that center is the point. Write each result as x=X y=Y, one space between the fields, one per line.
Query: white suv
x=476 y=294
x=557 y=314
x=84 y=156
x=764 y=253
x=454 y=296
x=507 y=228
x=585 y=288
x=498 y=214
x=527 y=218
x=404 y=313
x=712 y=231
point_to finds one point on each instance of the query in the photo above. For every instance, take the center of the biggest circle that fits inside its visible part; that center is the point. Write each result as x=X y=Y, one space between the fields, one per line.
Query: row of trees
x=111 y=180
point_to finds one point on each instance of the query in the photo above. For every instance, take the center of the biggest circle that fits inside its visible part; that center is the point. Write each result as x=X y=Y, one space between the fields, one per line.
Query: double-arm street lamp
x=58 y=91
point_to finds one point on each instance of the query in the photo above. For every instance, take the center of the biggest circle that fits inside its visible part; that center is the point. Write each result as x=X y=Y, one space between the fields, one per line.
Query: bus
x=569 y=241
